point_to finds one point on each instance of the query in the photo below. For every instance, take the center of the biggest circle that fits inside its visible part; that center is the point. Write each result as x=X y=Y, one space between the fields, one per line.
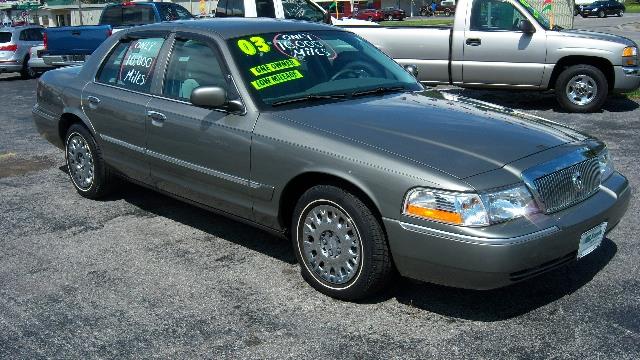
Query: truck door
x=496 y=52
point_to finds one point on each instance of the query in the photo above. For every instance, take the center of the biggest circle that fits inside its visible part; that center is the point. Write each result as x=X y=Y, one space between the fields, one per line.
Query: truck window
x=131 y=64
x=112 y=16
x=265 y=8
x=221 y=10
x=302 y=10
x=138 y=15
x=171 y=12
x=192 y=64
x=235 y=8
x=494 y=15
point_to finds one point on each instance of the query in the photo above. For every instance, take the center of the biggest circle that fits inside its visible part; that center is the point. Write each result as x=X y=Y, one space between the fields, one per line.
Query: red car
x=391 y=13
x=369 y=14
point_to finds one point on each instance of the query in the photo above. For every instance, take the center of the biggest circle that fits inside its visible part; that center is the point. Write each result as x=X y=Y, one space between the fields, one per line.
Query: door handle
x=93 y=102
x=473 y=42
x=157 y=119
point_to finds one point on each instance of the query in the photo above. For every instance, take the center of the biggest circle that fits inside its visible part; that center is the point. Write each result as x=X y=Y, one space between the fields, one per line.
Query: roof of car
x=229 y=28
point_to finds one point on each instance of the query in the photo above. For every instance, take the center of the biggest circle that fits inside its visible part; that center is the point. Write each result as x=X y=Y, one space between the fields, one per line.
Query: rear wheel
x=87 y=170
x=620 y=13
x=340 y=245
x=447 y=12
x=581 y=88
x=389 y=18
x=26 y=71
x=601 y=14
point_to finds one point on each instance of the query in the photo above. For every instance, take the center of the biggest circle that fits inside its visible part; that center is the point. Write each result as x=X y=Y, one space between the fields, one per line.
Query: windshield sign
x=310 y=65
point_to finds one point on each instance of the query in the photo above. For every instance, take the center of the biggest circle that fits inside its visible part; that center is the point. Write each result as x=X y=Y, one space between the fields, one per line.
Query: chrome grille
x=569 y=186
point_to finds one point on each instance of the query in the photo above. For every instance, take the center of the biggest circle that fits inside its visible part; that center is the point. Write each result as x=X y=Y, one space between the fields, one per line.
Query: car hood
x=459 y=136
x=593 y=35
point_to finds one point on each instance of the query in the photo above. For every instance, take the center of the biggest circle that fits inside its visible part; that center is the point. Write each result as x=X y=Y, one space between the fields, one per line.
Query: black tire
x=25 y=72
x=389 y=18
x=602 y=88
x=620 y=13
x=602 y=14
x=102 y=177
x=369 y=18
x=374 y=269
x=447 y=12
x=583 y=15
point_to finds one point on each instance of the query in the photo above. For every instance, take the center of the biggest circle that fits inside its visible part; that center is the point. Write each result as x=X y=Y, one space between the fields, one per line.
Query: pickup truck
x=69 y=45
x=506 y=44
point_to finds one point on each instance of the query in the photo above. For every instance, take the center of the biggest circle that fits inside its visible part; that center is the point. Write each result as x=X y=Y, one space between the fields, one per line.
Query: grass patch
x=632 y=7
x=633 y=94
x=425 y=22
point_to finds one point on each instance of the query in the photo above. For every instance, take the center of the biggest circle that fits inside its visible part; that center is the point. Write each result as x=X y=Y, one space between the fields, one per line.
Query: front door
x=116 y=103
x=495 y=51
x=197 y=153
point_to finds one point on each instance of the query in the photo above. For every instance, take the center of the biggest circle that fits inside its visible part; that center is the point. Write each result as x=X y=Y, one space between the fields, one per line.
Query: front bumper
x=486 y=262
x=627 y=78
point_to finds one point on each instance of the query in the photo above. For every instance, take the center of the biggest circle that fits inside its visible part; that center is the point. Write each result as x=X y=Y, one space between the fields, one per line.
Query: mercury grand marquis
x=310 y=132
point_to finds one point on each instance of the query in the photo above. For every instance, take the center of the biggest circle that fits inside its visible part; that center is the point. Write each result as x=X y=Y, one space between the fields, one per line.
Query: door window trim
x=514 y=5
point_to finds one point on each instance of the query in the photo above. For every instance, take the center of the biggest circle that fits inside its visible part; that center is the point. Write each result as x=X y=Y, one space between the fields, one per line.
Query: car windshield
x=302 y=10
x=542 y=19
x=327 y=64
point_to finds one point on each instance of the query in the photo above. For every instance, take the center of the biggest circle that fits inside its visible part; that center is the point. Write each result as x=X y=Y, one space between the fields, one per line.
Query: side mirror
x=209 y=96
x=526 y=27
x=212 y=97
x=412 y=69
x=326 y=18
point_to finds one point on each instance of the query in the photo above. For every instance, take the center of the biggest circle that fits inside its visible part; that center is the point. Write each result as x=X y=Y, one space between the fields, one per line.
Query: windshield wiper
x=309 y=97
x=378 y=90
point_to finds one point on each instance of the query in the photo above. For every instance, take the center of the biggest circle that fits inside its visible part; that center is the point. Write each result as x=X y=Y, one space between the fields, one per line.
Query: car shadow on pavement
x=529 y=101
x=153 y=203
x=508 y=302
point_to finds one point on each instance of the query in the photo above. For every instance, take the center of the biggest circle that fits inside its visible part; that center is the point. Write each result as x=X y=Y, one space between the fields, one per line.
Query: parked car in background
x=37 y=65
x=392 y=13
x=70 y=45
x=310 y=132
x=506 y=44
x=15 y=47
x=369 y=15
x=579 y=4
x=445 y=7
x=603 y=8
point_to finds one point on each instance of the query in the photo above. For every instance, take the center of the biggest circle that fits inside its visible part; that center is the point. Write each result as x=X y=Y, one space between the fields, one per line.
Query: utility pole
x=80 y=11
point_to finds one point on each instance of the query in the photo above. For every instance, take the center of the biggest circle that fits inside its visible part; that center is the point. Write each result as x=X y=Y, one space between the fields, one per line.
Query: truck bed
x=75 y=40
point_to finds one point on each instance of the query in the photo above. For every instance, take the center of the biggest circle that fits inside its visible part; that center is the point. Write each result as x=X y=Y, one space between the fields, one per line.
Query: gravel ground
x=142 y=275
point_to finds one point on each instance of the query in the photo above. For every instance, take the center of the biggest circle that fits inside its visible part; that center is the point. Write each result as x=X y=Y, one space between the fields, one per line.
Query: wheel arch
x=302 y=182
x=601 y=63
x=68 y=118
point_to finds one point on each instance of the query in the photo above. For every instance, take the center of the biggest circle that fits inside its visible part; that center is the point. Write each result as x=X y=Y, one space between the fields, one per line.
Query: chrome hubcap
x=581 y=89
x=80 y=162
x=331 y=244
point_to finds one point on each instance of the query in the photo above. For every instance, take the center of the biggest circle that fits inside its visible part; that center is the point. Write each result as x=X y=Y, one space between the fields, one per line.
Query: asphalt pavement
x=141 y=275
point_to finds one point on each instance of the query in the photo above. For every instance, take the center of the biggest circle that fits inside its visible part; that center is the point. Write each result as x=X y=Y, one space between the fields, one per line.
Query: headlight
x=606 y=164
x=469 y=209
x=630 y=56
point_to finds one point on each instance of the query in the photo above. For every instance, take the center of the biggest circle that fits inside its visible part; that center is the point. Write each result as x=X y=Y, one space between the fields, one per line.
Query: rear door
x=116 y=102
x=197 y=153
x=496 y=52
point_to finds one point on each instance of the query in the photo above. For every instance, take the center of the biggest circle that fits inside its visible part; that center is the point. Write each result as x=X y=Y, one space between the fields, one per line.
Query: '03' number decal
x=253 y=45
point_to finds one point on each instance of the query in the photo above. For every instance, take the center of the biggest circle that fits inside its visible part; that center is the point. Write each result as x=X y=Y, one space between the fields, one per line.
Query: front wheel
x=389 y=18
x=25 y=72
x=620 y=13
x=581 y=88
x=340 y=245
x=601 y=14
x=447 y=12
x=87 y=170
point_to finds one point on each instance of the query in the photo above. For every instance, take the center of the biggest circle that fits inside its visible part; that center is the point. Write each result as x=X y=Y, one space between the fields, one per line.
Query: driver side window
x=192 y=64
x=494 y=15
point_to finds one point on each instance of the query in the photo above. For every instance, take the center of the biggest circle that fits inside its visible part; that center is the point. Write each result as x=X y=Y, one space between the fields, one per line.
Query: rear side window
x=5 y=37
x=138 y=15
x=221 y=10
x=131 y=64
x=231 y=8
x=171 y=12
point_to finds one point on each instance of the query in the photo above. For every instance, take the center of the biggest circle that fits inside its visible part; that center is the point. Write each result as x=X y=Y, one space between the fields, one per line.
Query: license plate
x=591 y=239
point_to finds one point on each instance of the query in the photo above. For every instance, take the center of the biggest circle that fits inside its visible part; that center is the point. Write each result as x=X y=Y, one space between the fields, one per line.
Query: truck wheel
x=87 y=170
x=340 y=245
x=601 y=14
x=581 y=88
x=447 y=12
